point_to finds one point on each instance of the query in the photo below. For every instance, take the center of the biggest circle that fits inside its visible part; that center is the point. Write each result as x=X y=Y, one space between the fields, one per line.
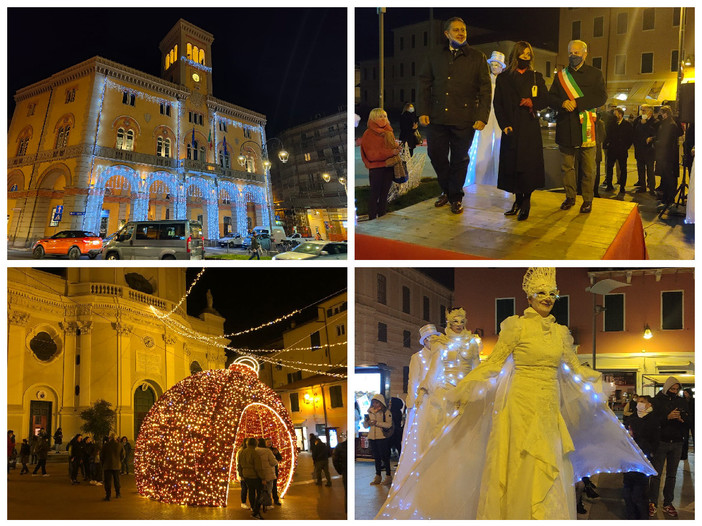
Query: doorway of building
x=39 y=417
x=144 y=399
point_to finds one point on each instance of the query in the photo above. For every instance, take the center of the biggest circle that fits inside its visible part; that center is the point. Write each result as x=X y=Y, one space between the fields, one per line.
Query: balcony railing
x=135 y=157
x=123 y=292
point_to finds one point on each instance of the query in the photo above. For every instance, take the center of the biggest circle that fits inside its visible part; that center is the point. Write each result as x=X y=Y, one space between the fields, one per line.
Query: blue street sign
x=58 y=213
x=77 y=213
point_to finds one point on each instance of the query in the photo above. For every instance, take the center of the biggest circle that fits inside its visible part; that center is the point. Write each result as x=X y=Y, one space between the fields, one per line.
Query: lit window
x=189 y=51
x=120 y=139
x=159 y=147
x=202 y=57
x=308 y=157
x=168 y=61
x=167 y=147
x=62 y=136
x=196 y=52
x=129 y=143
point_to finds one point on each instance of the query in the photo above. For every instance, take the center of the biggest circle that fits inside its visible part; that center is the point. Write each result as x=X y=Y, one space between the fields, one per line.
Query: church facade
x=79 y=335
x=100 y=143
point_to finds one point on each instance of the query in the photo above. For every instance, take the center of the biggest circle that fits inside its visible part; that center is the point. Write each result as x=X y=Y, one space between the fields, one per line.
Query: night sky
x=538 y=26
x=274 y=61
x=248 y=297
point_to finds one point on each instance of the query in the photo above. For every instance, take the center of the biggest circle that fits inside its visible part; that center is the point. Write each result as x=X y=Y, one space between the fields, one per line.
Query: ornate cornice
x=232 y=110
x=18 y=318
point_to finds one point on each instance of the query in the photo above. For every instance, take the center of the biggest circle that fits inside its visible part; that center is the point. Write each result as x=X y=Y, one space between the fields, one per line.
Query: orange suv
x=73 y=243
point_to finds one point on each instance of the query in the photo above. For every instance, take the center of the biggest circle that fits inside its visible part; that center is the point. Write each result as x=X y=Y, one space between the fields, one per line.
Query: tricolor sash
x=587 y=118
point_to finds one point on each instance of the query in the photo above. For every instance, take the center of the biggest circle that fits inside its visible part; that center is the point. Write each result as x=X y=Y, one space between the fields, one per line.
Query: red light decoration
x=186 y=449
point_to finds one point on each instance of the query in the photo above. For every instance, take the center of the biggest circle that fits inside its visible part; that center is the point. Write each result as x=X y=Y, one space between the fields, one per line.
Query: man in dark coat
x=111 y=457
x=573 y=122
x=667 y=154
x=620 y=137
x=671 y=412
x=454 y=101
x=279 y=458
x=42 y=454
x=320 y=456
x=644 y=135
x=76 y=452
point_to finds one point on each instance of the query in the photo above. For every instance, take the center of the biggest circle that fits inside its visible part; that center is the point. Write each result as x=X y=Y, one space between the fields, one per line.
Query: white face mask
x=641 y=407
x=411 y=110
x=644 y=118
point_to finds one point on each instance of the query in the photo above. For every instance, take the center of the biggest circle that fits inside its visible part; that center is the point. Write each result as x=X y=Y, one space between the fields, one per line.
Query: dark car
x=71 y=243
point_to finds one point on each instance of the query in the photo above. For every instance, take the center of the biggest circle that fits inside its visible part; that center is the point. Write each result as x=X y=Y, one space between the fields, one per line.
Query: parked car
x=316 y=250
x=169 y=239
x=230 y=240
x=71 y=243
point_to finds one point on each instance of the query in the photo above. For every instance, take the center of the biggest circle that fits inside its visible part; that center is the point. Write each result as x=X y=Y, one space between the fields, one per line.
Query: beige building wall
x=108 y=345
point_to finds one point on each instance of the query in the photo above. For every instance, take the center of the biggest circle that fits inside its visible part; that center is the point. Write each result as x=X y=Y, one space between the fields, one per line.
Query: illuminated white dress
x=436 y=371
x=533 y=422
x=485 y=150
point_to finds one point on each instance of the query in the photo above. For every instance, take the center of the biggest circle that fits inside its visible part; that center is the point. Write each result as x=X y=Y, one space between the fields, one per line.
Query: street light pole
x=381 y=72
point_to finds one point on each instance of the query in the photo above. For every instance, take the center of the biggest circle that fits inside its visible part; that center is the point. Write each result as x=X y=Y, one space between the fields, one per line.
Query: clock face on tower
x=196 y=77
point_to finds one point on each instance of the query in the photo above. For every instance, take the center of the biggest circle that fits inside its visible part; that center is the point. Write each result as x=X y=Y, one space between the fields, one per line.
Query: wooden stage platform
x=613 y=230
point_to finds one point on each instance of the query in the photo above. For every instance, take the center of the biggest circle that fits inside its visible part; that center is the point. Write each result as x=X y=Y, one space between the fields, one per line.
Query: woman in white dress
x=532 y=422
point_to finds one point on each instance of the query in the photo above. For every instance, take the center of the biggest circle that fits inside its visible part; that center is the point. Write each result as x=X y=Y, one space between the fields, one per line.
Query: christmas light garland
x=186 y=449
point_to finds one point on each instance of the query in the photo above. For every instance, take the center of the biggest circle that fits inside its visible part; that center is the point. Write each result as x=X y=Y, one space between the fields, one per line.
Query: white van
x=278 y=235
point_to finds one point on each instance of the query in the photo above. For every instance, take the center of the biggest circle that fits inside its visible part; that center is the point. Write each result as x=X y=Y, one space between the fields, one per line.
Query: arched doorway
x=117 y=203
x=160 y=201
x=260 y=421
x=144 y=399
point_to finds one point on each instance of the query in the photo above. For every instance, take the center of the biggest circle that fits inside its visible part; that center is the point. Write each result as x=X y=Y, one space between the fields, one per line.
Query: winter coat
x=455 y=91
x=111 y=455
x=620 y=137
x=320 y=451
x=43 y=449
x=24 y=452
x=268 y=463
x=666 y=147
x=249 y=463
x=375 y=145
x=591 y=82
x=58 y=437
x=521 y=168
x=644 y=130
x=663 y=403
x=339 y=457
x=407 y=122
x=645 y=432
x=76 y=449
x=382 y=420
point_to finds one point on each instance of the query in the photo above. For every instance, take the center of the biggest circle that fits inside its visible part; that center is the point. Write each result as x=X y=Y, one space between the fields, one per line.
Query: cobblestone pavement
x=609 y=505
x=53 y=497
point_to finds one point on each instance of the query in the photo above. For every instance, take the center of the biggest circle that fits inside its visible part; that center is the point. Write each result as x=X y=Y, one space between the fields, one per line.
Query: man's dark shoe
x=641 y=190
x=106 y=499
x=622 y=191
x=568 y=203
x=441 y=201
x=457 y=207
x=609 y=188
x=581 y=509
x=639 y=183
x=586 y=207
x=277 y=503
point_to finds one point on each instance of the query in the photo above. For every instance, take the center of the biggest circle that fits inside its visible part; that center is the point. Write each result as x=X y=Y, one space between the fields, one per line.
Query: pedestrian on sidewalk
x=643 y=427
x=11 y=451
x=320 y=456
x=249 y=465
x=33 y=443
x=268 y=465
x=670 y=410
x=24 y=456
x=127 y=451
x=279 y=458
x=76 y=452
x=242 y=481
x=58 y=439
x=255 y=247
x=379 y=420
x=111 y=456
x=42 y=453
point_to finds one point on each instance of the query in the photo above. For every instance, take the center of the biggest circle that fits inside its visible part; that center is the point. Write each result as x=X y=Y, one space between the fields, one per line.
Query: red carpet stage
x=613 y=230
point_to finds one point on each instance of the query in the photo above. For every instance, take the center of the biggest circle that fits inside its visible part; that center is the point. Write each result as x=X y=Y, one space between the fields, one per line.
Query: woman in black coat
x=408 y=125
x=519 y=93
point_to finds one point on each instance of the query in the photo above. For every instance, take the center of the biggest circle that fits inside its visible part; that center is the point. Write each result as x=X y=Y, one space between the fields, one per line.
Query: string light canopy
x=186 y=449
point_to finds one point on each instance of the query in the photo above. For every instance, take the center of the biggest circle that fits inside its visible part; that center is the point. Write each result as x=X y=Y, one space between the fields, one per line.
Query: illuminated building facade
x=99 y=143
x=78 y=335
x=304 y=201
x=317 y=403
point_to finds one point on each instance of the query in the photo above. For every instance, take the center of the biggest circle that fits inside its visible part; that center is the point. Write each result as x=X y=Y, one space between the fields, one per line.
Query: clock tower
x=186 y=57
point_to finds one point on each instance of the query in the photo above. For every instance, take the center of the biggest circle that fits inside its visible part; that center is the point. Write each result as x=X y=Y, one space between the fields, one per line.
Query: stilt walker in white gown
x=532 y=422
x=485 y=149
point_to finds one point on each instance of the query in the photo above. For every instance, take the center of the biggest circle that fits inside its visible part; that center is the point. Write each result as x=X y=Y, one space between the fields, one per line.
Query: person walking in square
x=111 y=457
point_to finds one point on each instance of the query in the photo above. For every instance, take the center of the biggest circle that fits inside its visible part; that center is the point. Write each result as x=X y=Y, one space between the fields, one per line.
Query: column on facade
x=67 y=399
x=124 y=405
x=170 y=359
x=85 y=348
x=16 y=349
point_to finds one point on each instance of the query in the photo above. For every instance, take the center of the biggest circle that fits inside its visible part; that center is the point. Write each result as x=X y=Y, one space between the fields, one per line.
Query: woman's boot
x=524 y=209
x=516 y=206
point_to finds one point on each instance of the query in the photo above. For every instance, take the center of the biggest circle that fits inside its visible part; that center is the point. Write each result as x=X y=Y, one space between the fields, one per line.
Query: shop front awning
x=647 y=92
x=659 y=379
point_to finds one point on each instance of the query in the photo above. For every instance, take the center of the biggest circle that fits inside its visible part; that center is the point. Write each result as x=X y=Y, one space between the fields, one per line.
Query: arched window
x=250 y=165
x=62 y=136
x=168 y=60
x=167 y=148
x=129 y=143
x=196 y=52
x=159 y=147
x=120 y=139
x=22 y=146
x=190 y=51
x=202 y=57
x=224 y=160
x=195 y=368
x=175 y=53
x=192 y=151
x=202 y=154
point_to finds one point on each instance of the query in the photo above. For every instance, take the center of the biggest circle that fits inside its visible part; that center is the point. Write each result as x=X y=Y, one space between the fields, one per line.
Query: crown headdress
x=455 y=313
x=539 y=279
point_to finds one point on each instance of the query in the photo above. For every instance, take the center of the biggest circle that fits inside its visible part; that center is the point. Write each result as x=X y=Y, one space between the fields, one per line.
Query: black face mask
x=522 y=64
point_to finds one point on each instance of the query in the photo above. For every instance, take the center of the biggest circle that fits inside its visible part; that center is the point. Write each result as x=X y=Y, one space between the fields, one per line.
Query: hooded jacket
x=374 y=145
x=663 y=403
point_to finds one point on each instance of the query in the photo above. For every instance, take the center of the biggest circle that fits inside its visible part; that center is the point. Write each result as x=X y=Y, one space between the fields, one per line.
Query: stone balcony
x=123 y=292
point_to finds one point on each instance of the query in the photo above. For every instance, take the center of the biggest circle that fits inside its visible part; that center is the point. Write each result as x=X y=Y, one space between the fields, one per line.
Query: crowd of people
x=98 y=462
x=257 y=467
x=464 y=97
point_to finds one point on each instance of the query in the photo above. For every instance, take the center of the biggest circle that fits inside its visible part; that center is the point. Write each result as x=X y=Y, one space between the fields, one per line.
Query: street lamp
x=283 y=155
x=342 y=180
x=601 y=287
x=648 y=333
